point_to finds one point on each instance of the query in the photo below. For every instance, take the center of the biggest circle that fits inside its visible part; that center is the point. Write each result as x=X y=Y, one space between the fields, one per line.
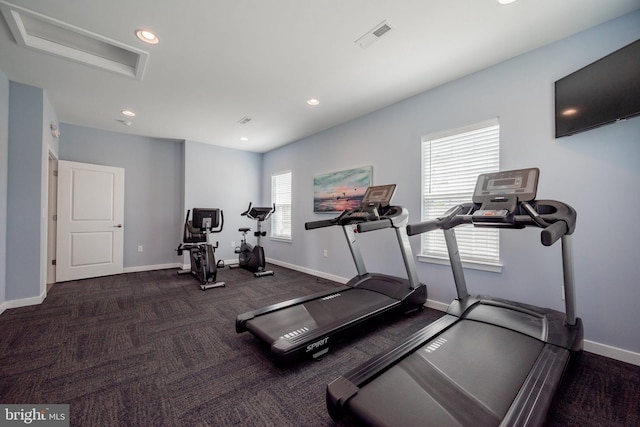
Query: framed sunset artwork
x=338 y=191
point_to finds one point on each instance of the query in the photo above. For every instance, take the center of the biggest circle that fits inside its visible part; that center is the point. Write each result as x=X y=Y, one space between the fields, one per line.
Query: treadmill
x=487 y=361
x=306 y=327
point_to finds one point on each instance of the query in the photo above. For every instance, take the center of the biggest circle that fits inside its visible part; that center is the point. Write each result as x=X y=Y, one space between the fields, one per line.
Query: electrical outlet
x=326 y=253
x=233 y=244
x=140 y=248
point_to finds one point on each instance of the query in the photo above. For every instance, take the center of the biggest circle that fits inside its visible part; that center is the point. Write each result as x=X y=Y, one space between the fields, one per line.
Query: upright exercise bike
x=252 y=257
x=197 y=240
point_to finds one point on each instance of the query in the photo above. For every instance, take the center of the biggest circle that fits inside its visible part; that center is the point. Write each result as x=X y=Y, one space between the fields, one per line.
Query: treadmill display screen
x=521 y=182
x=379 y=194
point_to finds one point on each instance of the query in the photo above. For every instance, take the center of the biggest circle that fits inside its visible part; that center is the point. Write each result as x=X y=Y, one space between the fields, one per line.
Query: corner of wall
x=25 y=273
x=4 y=160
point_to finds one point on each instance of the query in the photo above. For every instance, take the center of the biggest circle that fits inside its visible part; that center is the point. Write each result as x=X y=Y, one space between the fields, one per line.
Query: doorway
x=89 y=221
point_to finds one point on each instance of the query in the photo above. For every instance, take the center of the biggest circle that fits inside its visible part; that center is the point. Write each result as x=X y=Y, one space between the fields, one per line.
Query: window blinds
x=451 y=165
x=281 y=196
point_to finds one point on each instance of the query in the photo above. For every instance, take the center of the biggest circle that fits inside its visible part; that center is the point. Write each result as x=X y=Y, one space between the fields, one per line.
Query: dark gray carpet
x=152 y=349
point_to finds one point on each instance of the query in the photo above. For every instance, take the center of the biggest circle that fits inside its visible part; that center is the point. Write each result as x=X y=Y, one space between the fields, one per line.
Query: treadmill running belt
x=302 y=318
x=468 y=375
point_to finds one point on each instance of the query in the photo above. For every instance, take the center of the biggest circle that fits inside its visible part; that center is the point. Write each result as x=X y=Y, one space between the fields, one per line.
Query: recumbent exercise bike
x=252 y=257
x=197 y=240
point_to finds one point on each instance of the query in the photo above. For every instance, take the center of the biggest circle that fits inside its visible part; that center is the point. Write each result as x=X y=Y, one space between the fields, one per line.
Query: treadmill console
x=375 y=202
x=498 y=194
x=378 y=196
x=522 y=183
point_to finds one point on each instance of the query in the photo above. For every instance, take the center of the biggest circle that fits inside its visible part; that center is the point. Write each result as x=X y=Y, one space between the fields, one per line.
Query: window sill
x=483 y=266
x=280 y=239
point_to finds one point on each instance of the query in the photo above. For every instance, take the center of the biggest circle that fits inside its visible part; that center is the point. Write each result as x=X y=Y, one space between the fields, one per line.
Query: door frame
x=52 y=211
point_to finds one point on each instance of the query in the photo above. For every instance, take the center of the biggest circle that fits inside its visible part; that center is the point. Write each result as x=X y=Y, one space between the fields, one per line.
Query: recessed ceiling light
x=244 y=138
x=128 y=113
x=506 y=1
x=147 y=36
x=313 y=101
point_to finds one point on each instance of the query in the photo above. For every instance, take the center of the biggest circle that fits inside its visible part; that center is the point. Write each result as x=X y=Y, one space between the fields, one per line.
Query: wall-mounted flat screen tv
x=600 y=93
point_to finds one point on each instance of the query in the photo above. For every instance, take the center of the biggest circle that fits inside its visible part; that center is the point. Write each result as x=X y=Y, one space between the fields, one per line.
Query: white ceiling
x=221 y=60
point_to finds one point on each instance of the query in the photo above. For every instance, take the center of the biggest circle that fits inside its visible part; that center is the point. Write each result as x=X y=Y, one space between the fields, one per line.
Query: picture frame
x=335 y=192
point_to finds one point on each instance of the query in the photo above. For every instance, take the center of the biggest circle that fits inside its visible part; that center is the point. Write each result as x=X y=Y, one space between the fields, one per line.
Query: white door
x=90 y=221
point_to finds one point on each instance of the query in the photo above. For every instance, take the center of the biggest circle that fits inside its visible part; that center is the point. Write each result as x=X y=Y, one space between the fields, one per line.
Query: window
x=281 y=196
x=451 y=163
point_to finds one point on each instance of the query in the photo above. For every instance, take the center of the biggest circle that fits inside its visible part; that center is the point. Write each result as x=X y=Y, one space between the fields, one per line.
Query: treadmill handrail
x=552 y=213
x=397 y=219
x=311 y=225
x=557 y=219
x=433 y=224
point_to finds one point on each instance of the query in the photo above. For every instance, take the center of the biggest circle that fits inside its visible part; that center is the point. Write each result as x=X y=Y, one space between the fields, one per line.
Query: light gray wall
x=28 y=146
x=24 y=196
x=4 y=158
x=218 y=177
x=153 y=170
x=596 y=172
x=164 y=178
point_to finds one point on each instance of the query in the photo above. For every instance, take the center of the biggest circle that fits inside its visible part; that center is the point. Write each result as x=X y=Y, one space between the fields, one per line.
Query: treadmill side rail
x=531 y=404
x=242 y=319
x=339 y=391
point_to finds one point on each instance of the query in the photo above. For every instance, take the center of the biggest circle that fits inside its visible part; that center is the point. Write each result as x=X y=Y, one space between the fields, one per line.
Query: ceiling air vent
x=36 y=31
x=244 y=120
x=374 y=34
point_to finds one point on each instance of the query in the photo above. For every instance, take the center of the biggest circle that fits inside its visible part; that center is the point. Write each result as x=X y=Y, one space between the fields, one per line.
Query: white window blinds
x=281 y=196
x=451 y=164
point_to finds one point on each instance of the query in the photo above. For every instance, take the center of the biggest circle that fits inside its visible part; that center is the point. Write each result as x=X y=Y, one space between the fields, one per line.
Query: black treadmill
x=488 y=361
x=307 y=326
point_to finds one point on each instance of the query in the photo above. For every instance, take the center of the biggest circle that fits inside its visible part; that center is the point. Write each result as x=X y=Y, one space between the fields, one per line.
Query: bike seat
x=243 y=230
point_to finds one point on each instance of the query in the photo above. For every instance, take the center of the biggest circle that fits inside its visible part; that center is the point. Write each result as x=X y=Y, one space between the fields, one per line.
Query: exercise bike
x=252 y=257
x=197 y=240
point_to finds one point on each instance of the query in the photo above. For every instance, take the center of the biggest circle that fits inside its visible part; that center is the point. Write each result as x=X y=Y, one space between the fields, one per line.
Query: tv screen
x=600 y=93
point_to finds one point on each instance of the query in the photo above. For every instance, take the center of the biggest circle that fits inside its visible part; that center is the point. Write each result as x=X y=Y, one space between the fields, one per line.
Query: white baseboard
x=140 y=268
x=22 y=302
x=612 y=352
x=316 y=273
x=436 y=305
